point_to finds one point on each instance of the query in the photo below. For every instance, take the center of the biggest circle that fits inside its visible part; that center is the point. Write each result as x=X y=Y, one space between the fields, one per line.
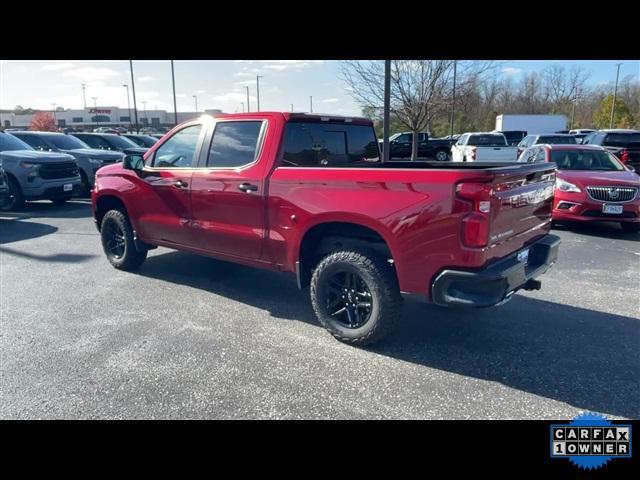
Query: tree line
x=422 y=95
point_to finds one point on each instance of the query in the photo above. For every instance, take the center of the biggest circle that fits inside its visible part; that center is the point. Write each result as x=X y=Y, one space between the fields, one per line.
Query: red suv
x=591 y=184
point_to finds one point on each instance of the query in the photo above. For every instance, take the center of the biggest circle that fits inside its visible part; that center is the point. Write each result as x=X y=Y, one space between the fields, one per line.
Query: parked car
x=271 y=190
x=400 y=146
x=483 y=147
x=35 y=175
x=157 y=135
x=623 y=143
x=548 y=138
x=532 y=124
x=145 y=141
x=514 y=137
x=592 y=184
x=106 y=130
x=89 y=160
x=5 y=194
x=580 y=131
x=109 y=141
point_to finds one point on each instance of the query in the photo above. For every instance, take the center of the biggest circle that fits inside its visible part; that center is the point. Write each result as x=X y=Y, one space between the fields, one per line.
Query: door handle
x=247 y=187
x=180 y=184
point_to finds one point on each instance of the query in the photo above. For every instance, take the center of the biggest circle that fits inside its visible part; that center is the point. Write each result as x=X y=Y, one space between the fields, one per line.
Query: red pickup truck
x=308 y=194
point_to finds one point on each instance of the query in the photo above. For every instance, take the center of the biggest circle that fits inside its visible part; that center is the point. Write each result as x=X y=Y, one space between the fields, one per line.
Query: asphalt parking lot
x=192 y=337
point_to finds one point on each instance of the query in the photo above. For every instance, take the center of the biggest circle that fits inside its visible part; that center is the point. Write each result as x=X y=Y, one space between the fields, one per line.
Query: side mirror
x=133 y=162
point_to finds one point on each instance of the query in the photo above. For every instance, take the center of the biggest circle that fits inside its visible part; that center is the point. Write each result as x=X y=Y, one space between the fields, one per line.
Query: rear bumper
x=496 y=283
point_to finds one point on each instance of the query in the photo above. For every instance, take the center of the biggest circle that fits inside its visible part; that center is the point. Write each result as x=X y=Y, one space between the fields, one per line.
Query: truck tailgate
x=521 y=203
x=496 y=154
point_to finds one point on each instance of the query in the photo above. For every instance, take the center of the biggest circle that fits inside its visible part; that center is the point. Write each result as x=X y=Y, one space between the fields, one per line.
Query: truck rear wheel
x=117 y=242
x=356 y=297
x=442 y=155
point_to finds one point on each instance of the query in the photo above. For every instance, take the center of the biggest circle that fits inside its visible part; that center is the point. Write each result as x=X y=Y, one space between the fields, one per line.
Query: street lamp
x=54 y=112
x=242 y=103
x=144 y=111
x=84 y=95
x=292 y=107
x=258 y=77
x=95 y=110
x=128 y=106
x=615 y=93
x=573 y=107
x=248 y=104
x=195 y=97
x=310 y=103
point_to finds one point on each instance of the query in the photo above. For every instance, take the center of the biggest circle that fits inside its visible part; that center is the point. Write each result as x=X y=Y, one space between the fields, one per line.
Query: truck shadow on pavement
x=582 y=357
x=15 y=231
x=75 y=208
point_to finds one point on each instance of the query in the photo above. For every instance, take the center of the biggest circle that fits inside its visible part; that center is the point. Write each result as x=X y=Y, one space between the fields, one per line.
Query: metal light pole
x=248 y=104
x=144 y=112
x=133 y=89
x=387 y=108
x=292 y=107
x=242 y=103
x=95 y=109
x=84 y=95
x=54 y=112
x=615 y=93
x=573 y=108
x=258 y=77
x=310 y=103
x=195 y=97
x=175 y=105
x=128 y=106
x=453 y=99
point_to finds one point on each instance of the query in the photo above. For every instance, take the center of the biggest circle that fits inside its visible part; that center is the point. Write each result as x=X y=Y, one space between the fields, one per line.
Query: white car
x=483 y=147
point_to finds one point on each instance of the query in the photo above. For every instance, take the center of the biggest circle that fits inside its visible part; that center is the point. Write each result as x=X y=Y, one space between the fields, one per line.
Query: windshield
x=9 y=142
x=621 y=139
x=585 y=160
x=119 y=142
x=556 y=140
x=66 y=142
x=487 y=141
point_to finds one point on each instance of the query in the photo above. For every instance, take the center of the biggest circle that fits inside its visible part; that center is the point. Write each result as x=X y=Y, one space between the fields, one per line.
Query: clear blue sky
x=218 y=84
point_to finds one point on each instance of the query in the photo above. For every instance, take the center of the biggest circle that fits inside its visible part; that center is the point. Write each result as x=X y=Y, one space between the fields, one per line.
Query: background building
x=90 y=117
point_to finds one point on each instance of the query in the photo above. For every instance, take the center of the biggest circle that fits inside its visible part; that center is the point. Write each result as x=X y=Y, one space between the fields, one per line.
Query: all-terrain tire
x=116 y=229
x=380 y=279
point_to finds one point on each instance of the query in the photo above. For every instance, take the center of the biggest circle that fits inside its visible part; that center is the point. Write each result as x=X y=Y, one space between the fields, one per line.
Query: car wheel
x=630 y=227
x=117 y=241
x=85 y=187
x=442 y=155
x=356 y=297
x=16 y=200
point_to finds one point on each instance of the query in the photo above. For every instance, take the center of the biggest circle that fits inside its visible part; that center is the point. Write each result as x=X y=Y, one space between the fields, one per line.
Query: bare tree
x=419 y=90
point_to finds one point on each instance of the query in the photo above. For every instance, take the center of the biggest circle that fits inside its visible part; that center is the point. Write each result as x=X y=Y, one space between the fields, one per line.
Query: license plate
x=615 y=209
x=523 y=256
x=67 y=187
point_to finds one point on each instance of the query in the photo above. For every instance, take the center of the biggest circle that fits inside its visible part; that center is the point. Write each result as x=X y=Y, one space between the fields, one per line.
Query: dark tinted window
x=94 y=141
x=142 y=140
x=179 y=150
x=556 y=140
x=487 y=141
x=117 y=141
x=329 y=145
x=234 y=144
x=585 y=160
x=34 y=141
x=66 y=142
x=621 y=139
x=9 y=142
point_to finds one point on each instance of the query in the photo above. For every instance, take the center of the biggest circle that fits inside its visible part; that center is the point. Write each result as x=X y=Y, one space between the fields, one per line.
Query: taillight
x=624 y=156
x=475 y=225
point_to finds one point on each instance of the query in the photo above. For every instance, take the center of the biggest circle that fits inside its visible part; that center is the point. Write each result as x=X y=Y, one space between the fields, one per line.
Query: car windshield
x=119 y=142
x=487 y=141
x=557 y=140
x=621 y=139
x=585 y=160
x=9 y=142
x=66 y=142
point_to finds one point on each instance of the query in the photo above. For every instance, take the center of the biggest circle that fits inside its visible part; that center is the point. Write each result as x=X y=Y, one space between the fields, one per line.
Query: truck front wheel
x=117 y=242
x=356 y=297
x=442 y=155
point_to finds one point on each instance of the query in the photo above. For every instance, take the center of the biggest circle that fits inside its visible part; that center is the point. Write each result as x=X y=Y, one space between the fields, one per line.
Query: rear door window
x=310 y=144
x=234 y=144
